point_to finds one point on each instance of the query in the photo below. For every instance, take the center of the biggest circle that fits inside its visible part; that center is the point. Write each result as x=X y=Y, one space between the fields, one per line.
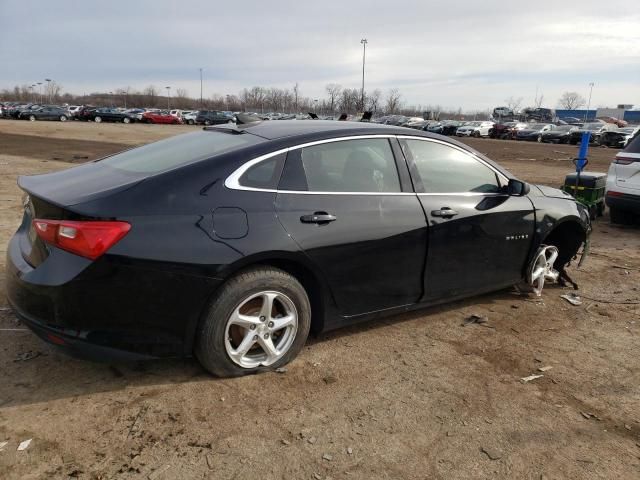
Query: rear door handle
x=318 y=217
x=444 y=212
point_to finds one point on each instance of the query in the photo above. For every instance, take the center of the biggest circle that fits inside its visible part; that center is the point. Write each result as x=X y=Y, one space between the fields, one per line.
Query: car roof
x=275 y=129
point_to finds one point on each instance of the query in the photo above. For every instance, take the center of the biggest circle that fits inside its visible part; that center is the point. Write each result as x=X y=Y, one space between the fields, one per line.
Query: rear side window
x=265 y=174
x=178 y=151
x=444 y=169
x=365 y=165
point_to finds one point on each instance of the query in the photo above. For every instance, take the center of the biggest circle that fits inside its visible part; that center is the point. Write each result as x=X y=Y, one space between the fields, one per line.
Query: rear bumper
x=107 y=309
x=626 y=202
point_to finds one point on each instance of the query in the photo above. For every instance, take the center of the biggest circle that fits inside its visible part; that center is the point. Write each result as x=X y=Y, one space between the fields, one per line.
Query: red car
x=160 y=117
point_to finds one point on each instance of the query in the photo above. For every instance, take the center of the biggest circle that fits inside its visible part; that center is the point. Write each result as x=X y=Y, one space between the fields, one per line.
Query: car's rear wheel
x=207 y=122
x=539 y=138
x=191 y=122
x=97 y=119
x=259 y=320
x=476 y=134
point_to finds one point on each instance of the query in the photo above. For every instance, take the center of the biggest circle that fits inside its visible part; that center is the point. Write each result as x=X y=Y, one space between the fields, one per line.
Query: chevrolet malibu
x=233 y=243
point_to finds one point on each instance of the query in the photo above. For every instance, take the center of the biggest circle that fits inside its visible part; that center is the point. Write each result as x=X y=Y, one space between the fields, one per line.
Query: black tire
x=210 y=342
x=191 y=122
x=600 y=209
x=476 y=134
x=540 y=140
x=207 y=122
x=126 y=120
x=63 y=118
x=620 y=216
x=98 y=119
x=32 y=118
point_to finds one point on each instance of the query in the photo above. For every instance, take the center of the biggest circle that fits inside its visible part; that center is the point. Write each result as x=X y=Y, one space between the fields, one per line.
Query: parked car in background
x=213 y=117
x=571 y=121
x=475 y=129
x=618 y=138
x=445 y=127
x=559 y=134
x=109 y=115
x=45 y=113
x=596 y=129
x=503 y=131
x=623 y=184
x=532 y=131
x=73 y=110
x=171 y=249
x=160 y=117
x=190 y=117
x=85 y=112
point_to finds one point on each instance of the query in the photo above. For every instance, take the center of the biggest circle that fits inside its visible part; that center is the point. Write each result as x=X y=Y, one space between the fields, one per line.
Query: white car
x=189 y=117
x=475 y=129
x=73 y=110
x=623 y=184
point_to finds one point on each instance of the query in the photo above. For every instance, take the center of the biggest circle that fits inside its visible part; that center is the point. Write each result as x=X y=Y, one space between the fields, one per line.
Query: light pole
x=201 y=88
x=589 y=103
x=168 y=95
x=364 y=54
x=40 y=90
x=48 y=80
x=33 y=95
x=316 y=106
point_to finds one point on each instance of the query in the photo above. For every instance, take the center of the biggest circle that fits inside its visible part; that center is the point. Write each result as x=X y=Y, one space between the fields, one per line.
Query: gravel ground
x=415 y=396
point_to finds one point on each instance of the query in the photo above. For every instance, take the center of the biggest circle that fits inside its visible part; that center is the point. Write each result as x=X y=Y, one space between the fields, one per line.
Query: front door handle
x=444 y=212
x=318 y=217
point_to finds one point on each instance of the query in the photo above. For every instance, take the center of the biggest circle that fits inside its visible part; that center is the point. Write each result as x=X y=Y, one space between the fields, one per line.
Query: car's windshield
x=563 y=128
x=178 y=151
x=592 y=126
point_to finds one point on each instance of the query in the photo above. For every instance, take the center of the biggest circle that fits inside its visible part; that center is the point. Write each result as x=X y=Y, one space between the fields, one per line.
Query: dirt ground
x=417 y=396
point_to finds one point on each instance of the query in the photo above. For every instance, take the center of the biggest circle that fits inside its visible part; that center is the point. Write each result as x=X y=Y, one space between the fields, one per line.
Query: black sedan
x=108 y=115
x=533 y=131
x=233 y=243
x=45 y=113
x=559 y=134
x=213 y=117
x=596 y=128
x=446 y=127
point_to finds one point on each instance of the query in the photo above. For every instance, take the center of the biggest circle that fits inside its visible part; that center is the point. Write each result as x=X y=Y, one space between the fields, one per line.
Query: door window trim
x=233 y=180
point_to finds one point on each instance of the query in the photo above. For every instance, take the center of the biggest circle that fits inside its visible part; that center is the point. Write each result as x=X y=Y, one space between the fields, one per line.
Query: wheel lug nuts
x=270 y=324
x=262 y=319
x=266 y=335
x=253 y=327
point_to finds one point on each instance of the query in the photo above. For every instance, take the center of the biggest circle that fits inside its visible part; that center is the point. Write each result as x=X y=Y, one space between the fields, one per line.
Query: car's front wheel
x=97 y=119
x=63 y=118
x=32 y=118
x=259 y=320
x=126 y=120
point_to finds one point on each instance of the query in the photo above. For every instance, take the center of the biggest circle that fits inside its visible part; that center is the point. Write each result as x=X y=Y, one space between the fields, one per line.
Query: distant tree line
x=337 y=99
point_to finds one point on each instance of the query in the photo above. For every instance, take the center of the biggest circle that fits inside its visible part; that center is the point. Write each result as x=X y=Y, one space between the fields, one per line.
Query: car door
x=479 y=236
x=344 y=204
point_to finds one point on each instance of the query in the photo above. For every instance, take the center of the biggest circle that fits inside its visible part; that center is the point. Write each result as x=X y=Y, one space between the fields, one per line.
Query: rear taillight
x=611 y=193
x=87 y=239
x=626 y=160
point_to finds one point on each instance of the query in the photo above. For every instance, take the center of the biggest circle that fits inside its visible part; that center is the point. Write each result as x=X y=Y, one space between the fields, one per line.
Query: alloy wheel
x=261 y=329
x=542 y=268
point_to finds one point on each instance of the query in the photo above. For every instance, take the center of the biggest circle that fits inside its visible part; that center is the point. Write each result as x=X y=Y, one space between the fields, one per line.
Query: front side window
x=444 y=169
x=365 y=165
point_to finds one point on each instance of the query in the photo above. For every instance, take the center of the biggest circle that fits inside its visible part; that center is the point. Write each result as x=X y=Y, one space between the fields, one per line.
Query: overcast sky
x=469 y=54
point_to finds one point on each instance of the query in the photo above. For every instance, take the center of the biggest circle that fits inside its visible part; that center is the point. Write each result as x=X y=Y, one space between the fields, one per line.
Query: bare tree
x=514 y=103
x=571 y=101
x=296 y=94
x=373 y=100
x=539 y=101
x=151 y=95
x=181 y=99
x=333 y=91
x=393 y=101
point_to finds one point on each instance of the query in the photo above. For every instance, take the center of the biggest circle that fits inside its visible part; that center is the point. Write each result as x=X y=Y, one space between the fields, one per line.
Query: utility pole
x=201 y=88
x=586 y=115
x=364 y=54
x=48 y=80
x=168 y=96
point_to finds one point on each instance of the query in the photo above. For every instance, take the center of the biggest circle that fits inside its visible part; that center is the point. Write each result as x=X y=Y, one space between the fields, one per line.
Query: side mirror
x=517 y=188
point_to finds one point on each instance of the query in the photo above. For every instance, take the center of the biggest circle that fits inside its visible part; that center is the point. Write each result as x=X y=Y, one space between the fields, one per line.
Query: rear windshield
x=634 y=144
x=178 y=151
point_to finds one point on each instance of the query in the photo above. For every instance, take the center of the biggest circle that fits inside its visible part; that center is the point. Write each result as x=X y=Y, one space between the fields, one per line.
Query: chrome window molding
x=233 y=181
